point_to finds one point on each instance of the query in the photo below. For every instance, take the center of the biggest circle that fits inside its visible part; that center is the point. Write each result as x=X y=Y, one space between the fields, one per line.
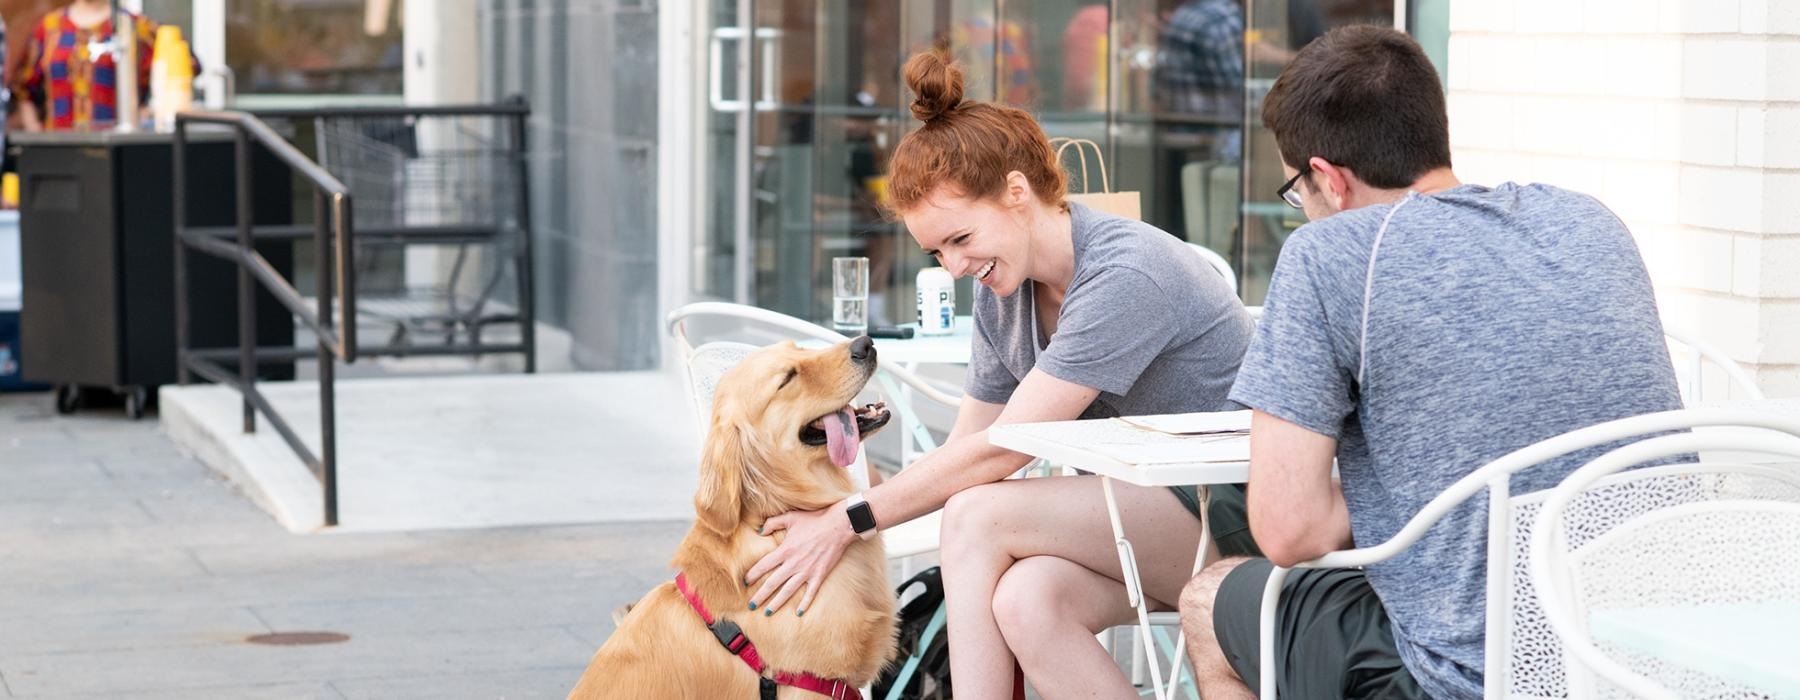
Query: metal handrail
x=333 y=207
x=327 y=187
x=335 y=236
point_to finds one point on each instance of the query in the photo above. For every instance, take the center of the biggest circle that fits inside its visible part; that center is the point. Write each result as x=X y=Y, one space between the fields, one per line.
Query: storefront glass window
x=314 y=46
x=1170 y=89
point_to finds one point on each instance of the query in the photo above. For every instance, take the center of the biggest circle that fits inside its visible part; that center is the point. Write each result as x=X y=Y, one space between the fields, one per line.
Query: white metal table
x=1749 y=643
x=952 y=349
x=1115 y=449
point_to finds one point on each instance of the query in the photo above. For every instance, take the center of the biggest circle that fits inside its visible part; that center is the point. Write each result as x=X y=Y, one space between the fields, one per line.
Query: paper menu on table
x=1220 y=449
x=1222 y=422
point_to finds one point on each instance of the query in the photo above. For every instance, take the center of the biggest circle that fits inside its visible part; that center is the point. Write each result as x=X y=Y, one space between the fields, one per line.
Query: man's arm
x=1296 y=509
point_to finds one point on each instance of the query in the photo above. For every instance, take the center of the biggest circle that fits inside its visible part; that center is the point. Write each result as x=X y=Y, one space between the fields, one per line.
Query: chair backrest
x=1691 y=354
x=1209 y=200
x=704 y=366
x=1218 y=264
x=1523 y=654
x=1667 y=538
x=793 y=328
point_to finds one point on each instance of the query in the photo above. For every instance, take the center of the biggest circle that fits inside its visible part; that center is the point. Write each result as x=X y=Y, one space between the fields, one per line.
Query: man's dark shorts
x=1227 y=517
x=1331 y=633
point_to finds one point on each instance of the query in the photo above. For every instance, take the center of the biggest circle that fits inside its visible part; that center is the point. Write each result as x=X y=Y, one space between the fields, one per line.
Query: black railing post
x=246 y=296
x=527 y=287
x=345 y=222
x=327 y=362
x=182 y=375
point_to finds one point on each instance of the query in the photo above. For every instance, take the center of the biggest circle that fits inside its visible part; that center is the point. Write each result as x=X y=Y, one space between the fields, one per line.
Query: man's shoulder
x=1341 y=236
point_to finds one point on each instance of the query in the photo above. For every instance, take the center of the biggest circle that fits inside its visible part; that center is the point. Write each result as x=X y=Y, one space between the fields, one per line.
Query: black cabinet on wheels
x=97 y=252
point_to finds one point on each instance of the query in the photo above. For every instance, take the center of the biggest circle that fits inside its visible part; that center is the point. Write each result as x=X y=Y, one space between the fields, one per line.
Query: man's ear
x=1334 y=183
x=719 y=502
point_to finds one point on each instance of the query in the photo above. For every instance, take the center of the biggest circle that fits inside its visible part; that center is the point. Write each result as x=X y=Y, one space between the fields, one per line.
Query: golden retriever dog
x=782 y=434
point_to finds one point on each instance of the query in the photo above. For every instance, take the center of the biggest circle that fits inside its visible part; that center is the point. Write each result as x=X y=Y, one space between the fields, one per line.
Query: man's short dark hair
x=1364 y=97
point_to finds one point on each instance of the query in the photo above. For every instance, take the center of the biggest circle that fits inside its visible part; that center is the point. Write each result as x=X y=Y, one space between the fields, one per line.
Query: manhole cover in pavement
x=287 y=639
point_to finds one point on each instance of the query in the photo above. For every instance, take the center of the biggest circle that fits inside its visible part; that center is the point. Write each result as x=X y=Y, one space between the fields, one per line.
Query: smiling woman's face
x=979 y=238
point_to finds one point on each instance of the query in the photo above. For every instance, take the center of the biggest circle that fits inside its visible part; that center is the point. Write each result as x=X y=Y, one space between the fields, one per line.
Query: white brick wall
x=1683 y=116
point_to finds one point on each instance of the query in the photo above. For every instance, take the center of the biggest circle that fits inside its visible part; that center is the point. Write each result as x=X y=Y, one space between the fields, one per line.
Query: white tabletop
x=950 y=349
x=1748 y=643
x=1094 y=445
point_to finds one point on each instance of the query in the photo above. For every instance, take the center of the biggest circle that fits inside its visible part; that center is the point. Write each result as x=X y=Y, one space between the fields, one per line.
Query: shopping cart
x=442 y=223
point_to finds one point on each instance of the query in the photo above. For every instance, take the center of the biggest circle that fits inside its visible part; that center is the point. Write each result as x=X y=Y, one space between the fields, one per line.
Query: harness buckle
x=730 y=636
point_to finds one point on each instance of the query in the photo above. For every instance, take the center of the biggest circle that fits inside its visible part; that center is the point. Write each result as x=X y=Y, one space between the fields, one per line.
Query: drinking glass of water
x=850 y=295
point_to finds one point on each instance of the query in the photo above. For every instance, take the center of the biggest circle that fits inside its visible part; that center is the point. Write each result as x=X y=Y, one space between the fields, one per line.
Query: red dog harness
x=733 y=639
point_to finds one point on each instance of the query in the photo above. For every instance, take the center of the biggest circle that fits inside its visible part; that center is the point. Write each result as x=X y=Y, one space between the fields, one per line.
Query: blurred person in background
x=60 y=85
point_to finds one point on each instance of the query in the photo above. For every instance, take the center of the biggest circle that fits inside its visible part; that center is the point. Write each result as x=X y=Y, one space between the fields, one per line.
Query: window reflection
x=314 y=46
x=1275 y=30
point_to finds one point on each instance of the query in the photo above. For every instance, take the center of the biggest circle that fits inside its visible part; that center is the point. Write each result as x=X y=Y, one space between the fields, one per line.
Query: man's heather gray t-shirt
x=1145 y=320
x=1495 y=318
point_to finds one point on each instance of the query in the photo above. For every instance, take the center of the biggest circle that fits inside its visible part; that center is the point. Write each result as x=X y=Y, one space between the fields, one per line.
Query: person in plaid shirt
x=1199 y=71
x=61 y=86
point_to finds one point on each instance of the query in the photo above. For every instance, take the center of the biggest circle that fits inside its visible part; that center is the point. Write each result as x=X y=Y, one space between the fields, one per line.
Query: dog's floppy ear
x=719 y=501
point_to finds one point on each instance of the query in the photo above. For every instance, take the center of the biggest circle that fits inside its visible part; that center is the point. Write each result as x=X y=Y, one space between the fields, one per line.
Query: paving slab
x=132 y=571
x=459 y=452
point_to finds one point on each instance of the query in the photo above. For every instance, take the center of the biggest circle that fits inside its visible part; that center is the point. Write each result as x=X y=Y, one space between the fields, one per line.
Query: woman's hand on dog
x=814 y=543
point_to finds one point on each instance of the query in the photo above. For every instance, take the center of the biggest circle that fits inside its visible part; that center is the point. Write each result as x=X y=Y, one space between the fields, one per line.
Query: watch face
x=862 y=518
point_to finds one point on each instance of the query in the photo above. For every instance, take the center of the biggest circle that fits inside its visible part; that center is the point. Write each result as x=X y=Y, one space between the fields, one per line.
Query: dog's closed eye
x=791 y=373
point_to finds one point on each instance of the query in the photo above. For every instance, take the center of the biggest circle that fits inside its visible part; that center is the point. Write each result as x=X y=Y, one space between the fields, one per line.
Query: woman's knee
x=969 y=516
x=1026 y=598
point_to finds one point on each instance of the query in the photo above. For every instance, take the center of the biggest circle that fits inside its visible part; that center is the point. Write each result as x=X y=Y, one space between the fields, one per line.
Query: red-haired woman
x=1078 y=314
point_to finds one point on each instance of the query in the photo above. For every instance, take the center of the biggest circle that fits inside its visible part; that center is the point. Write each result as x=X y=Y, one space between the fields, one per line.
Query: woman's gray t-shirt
x=1146 y=321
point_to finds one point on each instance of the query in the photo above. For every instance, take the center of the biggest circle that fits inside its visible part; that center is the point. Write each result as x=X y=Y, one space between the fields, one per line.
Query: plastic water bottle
x=937 y=301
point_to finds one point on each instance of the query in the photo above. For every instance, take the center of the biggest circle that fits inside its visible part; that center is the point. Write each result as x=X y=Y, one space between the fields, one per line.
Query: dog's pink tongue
x=842 y=437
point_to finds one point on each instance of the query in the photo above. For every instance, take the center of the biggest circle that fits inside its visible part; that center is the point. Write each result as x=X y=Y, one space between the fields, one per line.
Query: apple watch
x=862 y=517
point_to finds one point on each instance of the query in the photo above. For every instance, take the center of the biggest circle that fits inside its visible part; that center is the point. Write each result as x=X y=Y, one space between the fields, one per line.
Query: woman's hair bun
x=936 y=82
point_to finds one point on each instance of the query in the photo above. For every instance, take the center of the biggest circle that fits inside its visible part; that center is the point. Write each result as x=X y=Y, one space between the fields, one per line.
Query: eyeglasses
x=1288 y=194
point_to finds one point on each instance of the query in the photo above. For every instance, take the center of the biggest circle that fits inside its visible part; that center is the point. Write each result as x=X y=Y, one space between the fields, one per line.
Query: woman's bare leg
x=989 y=529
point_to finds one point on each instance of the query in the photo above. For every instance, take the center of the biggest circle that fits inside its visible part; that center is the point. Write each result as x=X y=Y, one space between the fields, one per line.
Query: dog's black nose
x=862 y=349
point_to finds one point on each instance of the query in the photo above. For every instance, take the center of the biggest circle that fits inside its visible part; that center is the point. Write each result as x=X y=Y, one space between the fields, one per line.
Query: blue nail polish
x=801 y=613
x=769 y=612
x=752 y=605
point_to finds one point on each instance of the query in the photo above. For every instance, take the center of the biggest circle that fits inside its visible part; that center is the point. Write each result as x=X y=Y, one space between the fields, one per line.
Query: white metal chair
x=1523 y=655
x=1698 y=352
x=1707 y=536
x=1218 y=263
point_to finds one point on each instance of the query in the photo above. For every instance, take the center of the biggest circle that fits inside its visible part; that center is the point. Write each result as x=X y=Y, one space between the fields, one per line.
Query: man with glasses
x=1416 y=329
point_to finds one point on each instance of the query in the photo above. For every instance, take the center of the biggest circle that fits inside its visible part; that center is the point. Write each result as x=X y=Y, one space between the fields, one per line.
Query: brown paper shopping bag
x=1123 y=204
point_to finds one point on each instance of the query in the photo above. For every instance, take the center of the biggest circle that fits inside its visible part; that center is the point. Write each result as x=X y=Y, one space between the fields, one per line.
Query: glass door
x=804 y=107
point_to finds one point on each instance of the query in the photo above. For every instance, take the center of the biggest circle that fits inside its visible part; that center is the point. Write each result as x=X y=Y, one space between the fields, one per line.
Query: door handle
x=767 y=41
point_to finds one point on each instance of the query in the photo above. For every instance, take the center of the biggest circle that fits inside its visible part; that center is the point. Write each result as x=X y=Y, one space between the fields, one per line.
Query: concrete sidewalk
x=127 y=569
